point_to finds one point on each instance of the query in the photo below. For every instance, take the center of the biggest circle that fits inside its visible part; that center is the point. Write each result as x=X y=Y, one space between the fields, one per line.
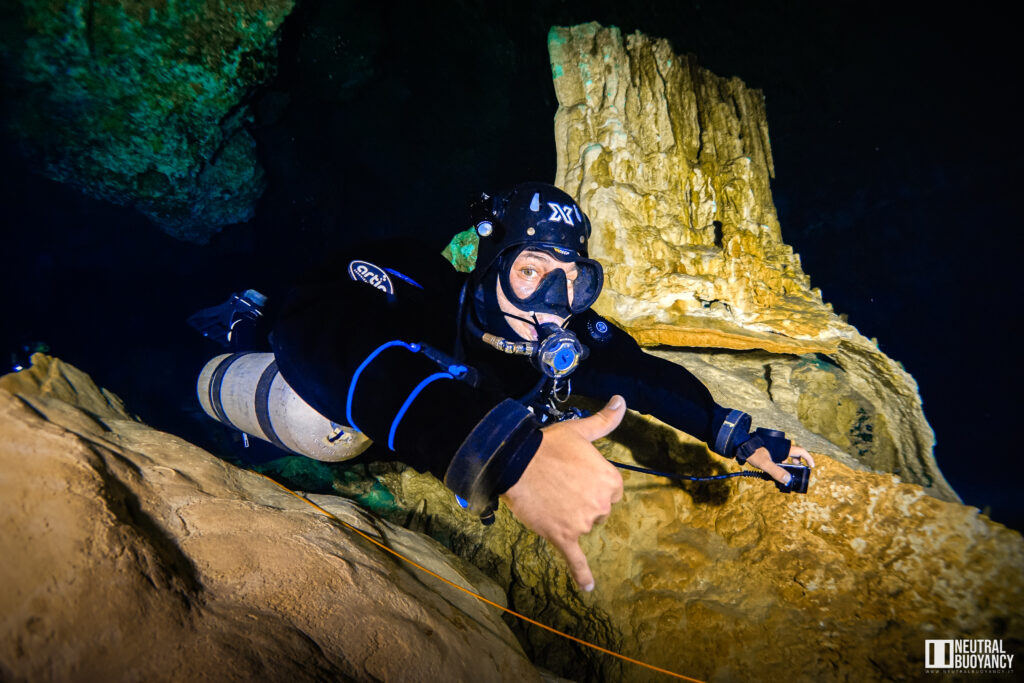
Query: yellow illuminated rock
x=734 y=580
x=673 y=165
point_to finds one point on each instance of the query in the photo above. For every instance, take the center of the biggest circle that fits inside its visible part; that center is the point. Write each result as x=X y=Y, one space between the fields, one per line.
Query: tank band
x=215 y=384
x=263 y=406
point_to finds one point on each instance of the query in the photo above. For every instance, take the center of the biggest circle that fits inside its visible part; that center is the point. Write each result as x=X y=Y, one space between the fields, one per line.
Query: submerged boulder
x=130 y=554
x=144 y=104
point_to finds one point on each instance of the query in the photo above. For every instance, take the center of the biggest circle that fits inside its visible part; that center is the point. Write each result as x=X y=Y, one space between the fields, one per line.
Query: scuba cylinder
x=246 y=391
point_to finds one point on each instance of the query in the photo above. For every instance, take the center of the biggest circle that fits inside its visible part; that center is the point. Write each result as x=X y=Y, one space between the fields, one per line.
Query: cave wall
x=144 y=104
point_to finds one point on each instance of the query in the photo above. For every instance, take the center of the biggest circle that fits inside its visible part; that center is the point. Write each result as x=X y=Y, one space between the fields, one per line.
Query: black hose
x=799 y=476
x=744 y=473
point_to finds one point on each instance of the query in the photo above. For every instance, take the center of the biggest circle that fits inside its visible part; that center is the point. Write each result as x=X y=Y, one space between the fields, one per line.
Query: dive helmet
x=537 y=216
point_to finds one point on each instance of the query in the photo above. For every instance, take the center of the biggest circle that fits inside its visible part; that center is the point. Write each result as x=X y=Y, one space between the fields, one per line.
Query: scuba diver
x=468 y=376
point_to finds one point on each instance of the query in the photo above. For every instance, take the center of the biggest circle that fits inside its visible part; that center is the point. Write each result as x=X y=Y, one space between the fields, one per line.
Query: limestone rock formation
x=143 y=104
x=672 y=164
x=130 y=554
x=735 y=581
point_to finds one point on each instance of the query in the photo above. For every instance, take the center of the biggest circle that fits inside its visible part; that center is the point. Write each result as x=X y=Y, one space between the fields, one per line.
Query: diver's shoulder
x=414 y=261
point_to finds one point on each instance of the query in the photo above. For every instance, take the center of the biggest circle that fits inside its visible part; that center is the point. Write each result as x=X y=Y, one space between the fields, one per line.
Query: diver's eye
x=528 y=272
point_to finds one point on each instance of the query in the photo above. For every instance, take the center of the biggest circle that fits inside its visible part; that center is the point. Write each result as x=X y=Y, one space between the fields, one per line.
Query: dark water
x=895 y=158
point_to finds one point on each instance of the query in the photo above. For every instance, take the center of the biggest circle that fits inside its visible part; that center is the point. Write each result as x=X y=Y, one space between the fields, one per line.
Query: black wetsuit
x=328 y=326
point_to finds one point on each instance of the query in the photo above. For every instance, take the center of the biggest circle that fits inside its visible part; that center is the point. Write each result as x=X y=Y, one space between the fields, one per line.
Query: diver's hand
x=569 y=486
x=762 y=460
x=798 y=454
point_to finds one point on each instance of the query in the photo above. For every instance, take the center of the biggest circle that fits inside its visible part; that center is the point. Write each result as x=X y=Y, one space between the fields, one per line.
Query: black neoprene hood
x=530 y=213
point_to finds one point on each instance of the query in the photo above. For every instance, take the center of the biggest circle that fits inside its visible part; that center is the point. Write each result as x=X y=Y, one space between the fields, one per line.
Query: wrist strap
x=776 y=443
x=747 y=448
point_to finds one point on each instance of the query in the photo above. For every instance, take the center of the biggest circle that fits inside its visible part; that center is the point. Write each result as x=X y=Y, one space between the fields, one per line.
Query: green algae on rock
x=143 y=103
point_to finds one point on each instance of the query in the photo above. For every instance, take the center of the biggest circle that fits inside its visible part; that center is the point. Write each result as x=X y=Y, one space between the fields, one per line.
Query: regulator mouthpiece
x=558 y=352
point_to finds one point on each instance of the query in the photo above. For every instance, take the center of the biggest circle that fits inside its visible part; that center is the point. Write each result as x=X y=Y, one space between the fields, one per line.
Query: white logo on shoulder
x=560 y=213
x=371 y=275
